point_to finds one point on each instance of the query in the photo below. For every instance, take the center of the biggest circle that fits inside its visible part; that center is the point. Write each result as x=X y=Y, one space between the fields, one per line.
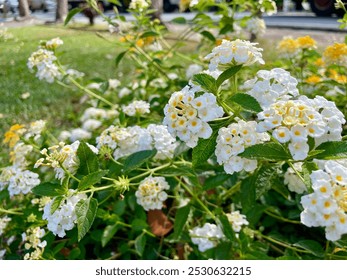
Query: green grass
x=82 y=50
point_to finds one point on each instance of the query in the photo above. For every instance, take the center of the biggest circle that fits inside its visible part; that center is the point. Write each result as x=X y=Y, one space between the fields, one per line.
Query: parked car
x=7 y=6
x=35 y=5
x=325 y=8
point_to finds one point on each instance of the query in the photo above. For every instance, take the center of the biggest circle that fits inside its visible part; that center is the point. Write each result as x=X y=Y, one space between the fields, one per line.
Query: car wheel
x=322 y=8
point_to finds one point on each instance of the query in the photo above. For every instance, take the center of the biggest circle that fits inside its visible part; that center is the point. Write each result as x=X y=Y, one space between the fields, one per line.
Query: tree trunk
x=61 y=11
x=24 y=11
x=158 y=6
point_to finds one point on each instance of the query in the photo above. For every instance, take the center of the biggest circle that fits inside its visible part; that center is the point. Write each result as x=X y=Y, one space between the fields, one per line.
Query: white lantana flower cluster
x=270 y=86
x=18 y=180
x=293 y=121
x=54 y=43
x=187 y=116
x=19 y=153
x=136 y=108
x=32 y=238
x=256 y=26
x=3 y=224
x=64 y=218
x=62 y=157
x=151 y=193
x=126 y=141
x=139 y=4
x=206 y=237
x=234 y=53
x=233 y=140
x=43 y=61
x=35 y=129
x=295 y=184
x=237 y=220
x=327 y=205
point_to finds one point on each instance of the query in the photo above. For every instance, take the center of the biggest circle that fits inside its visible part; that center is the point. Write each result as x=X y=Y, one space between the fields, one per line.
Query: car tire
x=323 y=8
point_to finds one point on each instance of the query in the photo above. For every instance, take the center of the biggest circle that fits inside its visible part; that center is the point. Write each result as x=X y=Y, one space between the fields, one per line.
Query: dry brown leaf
x=159 y=223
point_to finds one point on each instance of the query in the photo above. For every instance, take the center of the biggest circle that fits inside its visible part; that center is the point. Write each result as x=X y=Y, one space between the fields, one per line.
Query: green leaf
x=89 y=162
x=248 y=194
x=204 y=150
x=140 y=244
x=206 y=81
x=116 y=2
x=227 y=74
x=179 y=20
x=108 y=233
x=149 y=34
x=215 y=181
x=138 y=225
x=208 y=35
x=247 y=102
x=91 y=179
x=332 y=150
x=266 y=178
x=49 y=189
x=137 y=159
x=85 y=211
x=312 y=246
x=119 y=58
x=281 y=189
x=71 y=14
x=56 y=203
x=180 y=220
x=226 y=227
x=266 y=151
x=307 y=169
x=178 y=170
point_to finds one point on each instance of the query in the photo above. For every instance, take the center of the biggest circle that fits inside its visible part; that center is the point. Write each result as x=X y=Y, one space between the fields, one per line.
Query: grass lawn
x=82 y=50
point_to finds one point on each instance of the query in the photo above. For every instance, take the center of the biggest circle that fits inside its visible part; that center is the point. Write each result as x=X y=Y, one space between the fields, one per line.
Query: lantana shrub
x=222 y=157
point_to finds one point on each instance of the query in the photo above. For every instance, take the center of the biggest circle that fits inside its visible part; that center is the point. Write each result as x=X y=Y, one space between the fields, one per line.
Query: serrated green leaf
x=137 y=159
x=204 y=150
x=89 y=162
x=226 y=227
x=208 y=35
x=332 y=150
x=71 y=14
x=247 y=102
x=227 y=74
x=91 y=179
x=85 y=212
x=178 y=170
x=312 y=246
x=215 y=181
x=140 y=244
x=248 y=194
x=108 y=233
x=266 y=151
x=119 y=58
x=179 y=20
x=206 y=81
x=49 y=189
x=265 y=179
x=180 y=220
x=56 y=203
x=149 y=34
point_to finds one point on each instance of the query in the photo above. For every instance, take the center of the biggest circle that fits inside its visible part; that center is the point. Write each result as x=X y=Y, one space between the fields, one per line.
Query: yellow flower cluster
x=290 y=47
x=334 y=75
x=12 y=136
x=336 y=54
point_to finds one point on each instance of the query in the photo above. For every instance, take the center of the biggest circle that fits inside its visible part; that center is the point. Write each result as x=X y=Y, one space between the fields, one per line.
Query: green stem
x=98 y=189
x=12 y=212
x=197 y=199
x=296 y=172
x=281 y=218
x=151 y=171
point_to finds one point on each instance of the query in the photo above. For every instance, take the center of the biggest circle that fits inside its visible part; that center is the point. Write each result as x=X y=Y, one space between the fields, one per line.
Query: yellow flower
x=342 y=79
x=288 y=46
x=144 y=41
x=336 y=54
x=319 y=62
x=306 y=42
x=314 y=79
x=184 y=5
x=12 y=136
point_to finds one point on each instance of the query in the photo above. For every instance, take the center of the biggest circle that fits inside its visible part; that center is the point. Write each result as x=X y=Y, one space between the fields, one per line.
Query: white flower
x=74 y=73
x=124 y=92
x=54 y=43
x=232 y=141
x=256 y=26
x=79 y=134
x=186 y=115
x=136 y=108
x=151 y=193
x=35 y=129
x=91 y=125
x=327 y=205
x=271 y=86
x=139 y=4
x=19 y=153
x=237 y=220
x=206 y=237
x=64 y=218
x=236 y=53
x=3 y=224
x=192 y=70
x=295 y=184
x=32 y=238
